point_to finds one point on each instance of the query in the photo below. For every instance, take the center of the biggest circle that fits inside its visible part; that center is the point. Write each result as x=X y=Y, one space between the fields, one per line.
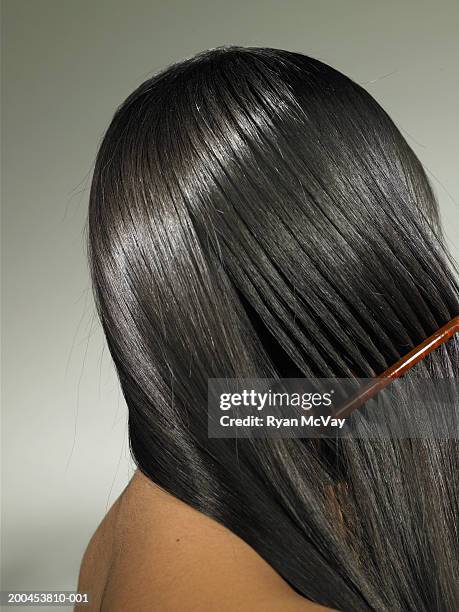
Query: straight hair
x=255 y=213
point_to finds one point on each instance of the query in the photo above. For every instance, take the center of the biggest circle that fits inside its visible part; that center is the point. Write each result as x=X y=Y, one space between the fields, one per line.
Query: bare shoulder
x=97 y=558
x=153 y=553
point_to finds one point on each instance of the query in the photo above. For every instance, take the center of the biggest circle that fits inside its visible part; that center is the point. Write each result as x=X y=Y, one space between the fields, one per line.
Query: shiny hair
x=256 y=213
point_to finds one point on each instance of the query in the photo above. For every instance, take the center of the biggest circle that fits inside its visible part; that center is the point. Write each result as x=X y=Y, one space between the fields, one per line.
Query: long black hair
x=256 y=213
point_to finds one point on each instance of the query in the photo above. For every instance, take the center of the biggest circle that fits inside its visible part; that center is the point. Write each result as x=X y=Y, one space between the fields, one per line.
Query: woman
x=256 y=214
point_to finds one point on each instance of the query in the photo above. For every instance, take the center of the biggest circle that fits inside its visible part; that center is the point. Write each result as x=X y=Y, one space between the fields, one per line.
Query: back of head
x=255 y=213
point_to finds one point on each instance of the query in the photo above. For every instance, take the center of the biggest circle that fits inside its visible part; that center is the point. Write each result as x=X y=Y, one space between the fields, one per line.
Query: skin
x=154 y=553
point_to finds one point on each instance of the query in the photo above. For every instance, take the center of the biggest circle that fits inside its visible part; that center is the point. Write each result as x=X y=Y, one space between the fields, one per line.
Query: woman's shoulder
x=97 y=558
x=154 y=552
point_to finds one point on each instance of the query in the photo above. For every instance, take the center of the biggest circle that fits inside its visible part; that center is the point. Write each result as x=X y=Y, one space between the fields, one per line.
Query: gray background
x=66 y=66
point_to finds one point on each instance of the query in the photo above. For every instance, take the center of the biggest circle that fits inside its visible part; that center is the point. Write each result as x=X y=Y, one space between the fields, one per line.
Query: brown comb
x=398 y=369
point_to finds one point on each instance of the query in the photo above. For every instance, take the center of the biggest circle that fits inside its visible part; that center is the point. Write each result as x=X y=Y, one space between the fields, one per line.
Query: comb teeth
x=399 y=368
